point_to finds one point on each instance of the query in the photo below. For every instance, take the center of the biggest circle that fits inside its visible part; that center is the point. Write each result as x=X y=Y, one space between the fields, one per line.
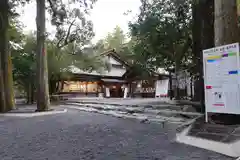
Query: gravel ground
x=79 y=135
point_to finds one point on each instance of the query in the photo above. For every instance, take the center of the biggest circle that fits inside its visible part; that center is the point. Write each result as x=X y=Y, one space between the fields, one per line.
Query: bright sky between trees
x=106 y=15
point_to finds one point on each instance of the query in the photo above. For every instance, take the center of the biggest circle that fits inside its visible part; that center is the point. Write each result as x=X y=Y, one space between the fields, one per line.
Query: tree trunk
x=170 y=86
x=54 y=86
x=208 y=24
x=226 y=22
x=176 y=89
x=32 y=93
x=42 y=70
x=6 y=82
x=51 y=86
x=3 y=32
x=57 y=87
x=2 y=92
x=196 y=31
x=226 y=32
x=10 y=99
x=203 y=38
x=207 y=40
x=29 y=93
x=191 y=88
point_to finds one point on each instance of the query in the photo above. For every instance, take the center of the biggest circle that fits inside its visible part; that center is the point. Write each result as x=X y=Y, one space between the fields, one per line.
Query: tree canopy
x=162 y=33
x=66 y=49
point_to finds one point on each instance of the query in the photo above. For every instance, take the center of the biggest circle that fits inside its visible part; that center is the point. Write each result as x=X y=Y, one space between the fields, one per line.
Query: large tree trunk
x=170 y=85
x=6 y=81
x=207 y=39
x=33 y=96
x=42 y=70
x=226 y=20
x=30 y=93
x=203 y=38
x=197 y=43
x=54 y=86
x=176 y=89
x=3 y=32
x=2 y=92
x=226 y=32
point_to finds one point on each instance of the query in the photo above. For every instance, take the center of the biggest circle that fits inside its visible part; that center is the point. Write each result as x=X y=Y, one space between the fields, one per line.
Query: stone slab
x=231 y=139
x=195 y=129
x=237 y=131
x=33 y=114
x=214 y=132
x=219 y=129
x=208 y=136
x=224 y=139
x=229 y=149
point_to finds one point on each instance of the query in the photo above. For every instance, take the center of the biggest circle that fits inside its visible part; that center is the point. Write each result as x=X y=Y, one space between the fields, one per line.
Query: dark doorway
x=116 y=91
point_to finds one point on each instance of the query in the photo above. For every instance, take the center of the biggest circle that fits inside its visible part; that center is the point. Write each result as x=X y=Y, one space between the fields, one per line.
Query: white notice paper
x=107 y=92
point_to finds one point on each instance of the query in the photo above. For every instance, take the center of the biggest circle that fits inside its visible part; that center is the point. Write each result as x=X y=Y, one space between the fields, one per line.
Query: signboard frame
x=222 y=79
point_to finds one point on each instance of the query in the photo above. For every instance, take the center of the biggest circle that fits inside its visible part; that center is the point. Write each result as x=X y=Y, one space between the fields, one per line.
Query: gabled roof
x=116 y=56
x=111 y=53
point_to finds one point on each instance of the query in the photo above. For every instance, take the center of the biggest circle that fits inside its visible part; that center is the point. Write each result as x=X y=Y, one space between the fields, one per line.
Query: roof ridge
x=107 y=52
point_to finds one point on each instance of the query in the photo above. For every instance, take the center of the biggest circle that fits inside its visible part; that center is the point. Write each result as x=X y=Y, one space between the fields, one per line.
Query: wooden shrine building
x=118 y=81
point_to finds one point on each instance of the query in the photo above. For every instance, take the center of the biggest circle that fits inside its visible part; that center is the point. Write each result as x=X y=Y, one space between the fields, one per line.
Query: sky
x=106 y=15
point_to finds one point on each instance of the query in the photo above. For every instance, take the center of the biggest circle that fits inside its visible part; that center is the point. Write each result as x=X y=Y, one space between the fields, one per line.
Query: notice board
x=162 y=87
x=221 y=79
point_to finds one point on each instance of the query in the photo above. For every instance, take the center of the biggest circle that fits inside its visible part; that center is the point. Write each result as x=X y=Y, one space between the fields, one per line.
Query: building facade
x=108 y=83
x=117 y=81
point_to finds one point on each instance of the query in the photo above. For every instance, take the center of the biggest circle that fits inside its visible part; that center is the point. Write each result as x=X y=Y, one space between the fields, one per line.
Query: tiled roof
x=113 y=73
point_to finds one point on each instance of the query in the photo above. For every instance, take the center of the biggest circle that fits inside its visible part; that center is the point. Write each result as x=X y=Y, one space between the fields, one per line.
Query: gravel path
x=79 y=135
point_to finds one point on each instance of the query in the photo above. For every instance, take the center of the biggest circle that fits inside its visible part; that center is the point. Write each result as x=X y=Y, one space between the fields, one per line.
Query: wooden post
x=86 y=88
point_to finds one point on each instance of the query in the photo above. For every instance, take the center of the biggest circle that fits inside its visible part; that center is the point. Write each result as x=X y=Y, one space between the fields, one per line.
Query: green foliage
x=69 y=17
x=71 y=22
x=60 y=61
x=14 y=4
x=238 y=2
x=115 y=40
x=24 y=62
x=238 y=11
x=162 y=34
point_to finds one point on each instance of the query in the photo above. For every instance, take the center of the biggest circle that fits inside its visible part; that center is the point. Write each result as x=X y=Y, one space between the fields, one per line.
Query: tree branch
x=67 y=36
x=60 y=40
x=52 y=6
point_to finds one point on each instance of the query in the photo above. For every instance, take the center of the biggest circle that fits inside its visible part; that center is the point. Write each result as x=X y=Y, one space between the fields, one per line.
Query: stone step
x=124 y=114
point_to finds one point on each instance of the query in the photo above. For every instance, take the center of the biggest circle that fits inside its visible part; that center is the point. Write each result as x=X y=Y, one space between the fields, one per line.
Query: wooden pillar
x=86 y=88
x=97 y=89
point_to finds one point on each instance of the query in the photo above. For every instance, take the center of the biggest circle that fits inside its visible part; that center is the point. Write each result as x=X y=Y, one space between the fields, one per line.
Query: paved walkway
x=79 y=135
